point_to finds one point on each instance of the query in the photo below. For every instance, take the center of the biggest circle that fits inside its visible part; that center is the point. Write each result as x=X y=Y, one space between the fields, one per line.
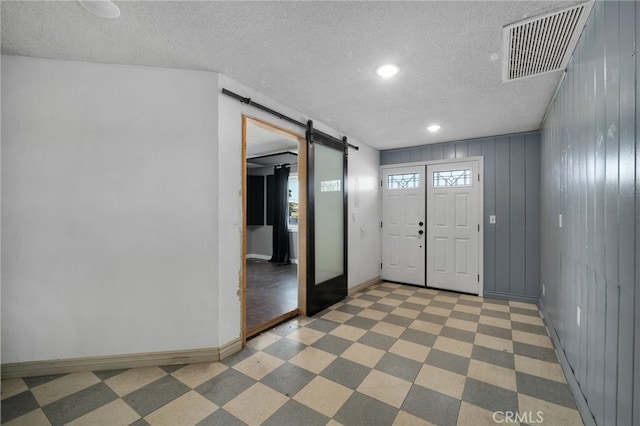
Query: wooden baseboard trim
x=117 y=362
x=364 y=285
x=230 y=348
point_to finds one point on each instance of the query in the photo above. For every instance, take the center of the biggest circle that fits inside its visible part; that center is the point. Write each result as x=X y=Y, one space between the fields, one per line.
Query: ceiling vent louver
x=542 y=44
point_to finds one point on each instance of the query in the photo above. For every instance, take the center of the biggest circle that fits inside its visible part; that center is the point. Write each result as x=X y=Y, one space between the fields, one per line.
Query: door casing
x=458 y=232
x=302 y=223
x=480 y=160
x=403 y=220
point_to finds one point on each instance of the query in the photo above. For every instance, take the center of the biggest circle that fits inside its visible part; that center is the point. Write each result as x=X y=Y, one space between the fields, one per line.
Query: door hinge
x=478 y=227
x=381 y=184
x=380 y=224
x=380 y=265
x=478 y=277
x=478 y=177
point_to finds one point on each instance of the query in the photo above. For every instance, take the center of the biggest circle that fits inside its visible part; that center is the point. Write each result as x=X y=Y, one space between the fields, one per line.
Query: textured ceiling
x=261 y=141
x=318 y=57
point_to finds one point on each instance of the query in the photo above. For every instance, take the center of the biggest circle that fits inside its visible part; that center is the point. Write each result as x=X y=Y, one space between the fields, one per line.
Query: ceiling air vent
x=542 y=44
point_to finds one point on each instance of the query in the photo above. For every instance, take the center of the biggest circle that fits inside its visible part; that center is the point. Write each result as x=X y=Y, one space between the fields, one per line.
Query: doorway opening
x=274 y=208
x=432 y=228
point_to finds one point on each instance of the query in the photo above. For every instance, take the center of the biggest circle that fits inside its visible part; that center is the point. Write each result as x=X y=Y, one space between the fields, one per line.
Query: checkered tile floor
x=392 y=354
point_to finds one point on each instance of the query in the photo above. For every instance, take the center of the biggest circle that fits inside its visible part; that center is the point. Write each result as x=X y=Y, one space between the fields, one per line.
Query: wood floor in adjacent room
x=272 y=291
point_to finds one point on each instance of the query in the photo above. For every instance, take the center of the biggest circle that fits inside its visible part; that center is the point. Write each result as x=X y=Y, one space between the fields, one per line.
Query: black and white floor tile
x=391 y=354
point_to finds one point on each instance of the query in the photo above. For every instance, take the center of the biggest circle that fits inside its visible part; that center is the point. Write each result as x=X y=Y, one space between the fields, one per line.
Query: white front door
x=453 y=226
x=403 y=225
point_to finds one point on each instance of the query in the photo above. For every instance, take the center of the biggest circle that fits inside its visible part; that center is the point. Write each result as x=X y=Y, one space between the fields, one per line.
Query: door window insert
x=452 y=178
x=403 y=181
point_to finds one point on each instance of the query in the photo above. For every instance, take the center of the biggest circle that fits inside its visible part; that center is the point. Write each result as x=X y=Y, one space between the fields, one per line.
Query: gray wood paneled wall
x=512 y=193
x=590 y=174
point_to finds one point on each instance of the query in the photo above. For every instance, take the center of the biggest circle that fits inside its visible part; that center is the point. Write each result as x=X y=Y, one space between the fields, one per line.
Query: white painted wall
x=109 y=183
x=121 y=210
x=260 y=242
x=364 y=215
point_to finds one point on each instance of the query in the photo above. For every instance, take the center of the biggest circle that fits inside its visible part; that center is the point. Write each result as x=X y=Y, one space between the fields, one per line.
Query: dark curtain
x=281 y=216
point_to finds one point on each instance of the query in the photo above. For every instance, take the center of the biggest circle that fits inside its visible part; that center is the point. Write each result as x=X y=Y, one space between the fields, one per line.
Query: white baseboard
x=118 y=362
x=364 y=285
x=265 y=257
x=258 y=256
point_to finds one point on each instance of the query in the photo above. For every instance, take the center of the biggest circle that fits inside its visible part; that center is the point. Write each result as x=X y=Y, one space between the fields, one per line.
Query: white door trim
x=480 y=160
x=404 y=225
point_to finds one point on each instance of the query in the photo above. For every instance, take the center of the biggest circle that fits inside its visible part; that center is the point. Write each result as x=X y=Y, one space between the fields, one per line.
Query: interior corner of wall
x=222 y=79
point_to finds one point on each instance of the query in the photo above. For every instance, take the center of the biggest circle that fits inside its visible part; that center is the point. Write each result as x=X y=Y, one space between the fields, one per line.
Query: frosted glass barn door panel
x=329 y=214
x=327 y=221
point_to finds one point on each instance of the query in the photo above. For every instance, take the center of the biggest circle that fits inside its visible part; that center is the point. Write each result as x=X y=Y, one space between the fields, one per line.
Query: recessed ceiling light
x=387 y=70
x=101 y=8
x=433 y=128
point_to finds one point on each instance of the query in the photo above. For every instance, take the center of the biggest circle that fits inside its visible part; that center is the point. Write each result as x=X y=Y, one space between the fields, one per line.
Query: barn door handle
x=421 y=223
x=421 y=232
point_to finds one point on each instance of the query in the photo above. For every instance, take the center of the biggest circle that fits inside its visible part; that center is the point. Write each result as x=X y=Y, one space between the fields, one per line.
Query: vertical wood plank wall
x=512 y=193
x=590 y=175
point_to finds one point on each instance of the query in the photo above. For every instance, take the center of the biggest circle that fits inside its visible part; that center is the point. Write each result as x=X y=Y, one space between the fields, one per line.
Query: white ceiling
x=261 y=141
x=318 y=57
